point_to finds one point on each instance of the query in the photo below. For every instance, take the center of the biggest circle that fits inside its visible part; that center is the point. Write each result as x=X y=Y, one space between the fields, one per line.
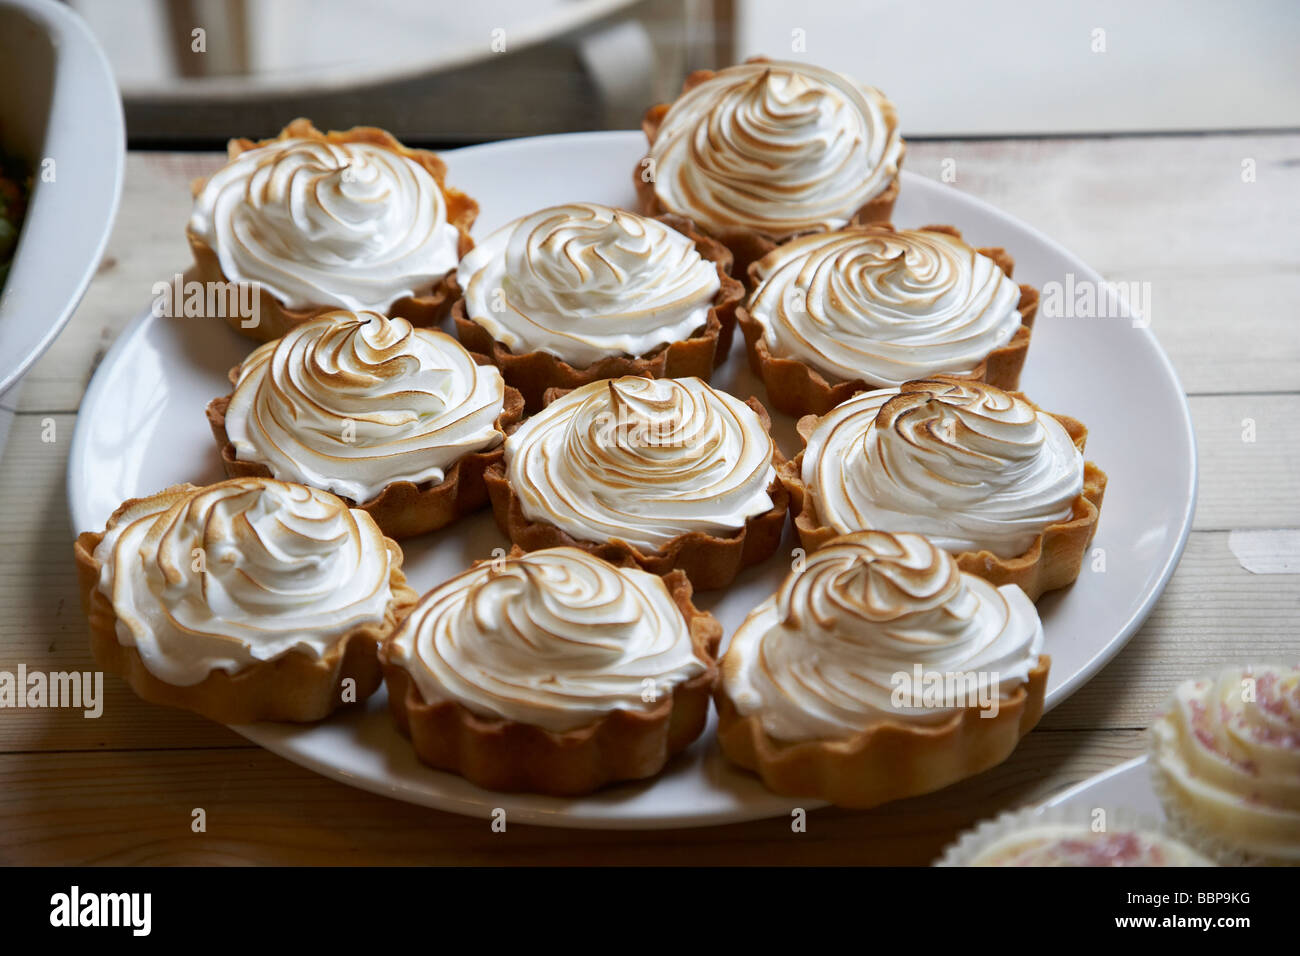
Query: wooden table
x=1223 y=256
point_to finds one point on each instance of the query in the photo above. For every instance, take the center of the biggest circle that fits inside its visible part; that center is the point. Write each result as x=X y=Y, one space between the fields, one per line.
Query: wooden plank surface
x=136 y=807
x=1222 y=256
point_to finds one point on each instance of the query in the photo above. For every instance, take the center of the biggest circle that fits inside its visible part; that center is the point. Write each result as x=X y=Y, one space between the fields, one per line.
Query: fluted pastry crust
x=275 y=317
x=749 y=244
x=293 y=687
x=402 y=509
x=802 y=698
x=510 y=755
x=797 y=389
x=533 y=372
x=887 y=762
x=709 y=561
x=1052 y=561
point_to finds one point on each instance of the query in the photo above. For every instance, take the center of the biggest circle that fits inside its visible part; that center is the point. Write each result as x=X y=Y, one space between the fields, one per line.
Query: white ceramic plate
x=1127 y=786
x=1124 y=789
x=142 y=427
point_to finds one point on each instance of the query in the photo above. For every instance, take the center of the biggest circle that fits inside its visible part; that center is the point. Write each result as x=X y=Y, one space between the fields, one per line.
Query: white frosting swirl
x=317 y=224
x=248 y=570
x=776 y=147
x=883 y=306
x=969 y=465
x=352 y=402
x=584 y=281
x=821 y=659
x=1077 y=844
x=553 y=638
x=1228 y=748
x=642 y=460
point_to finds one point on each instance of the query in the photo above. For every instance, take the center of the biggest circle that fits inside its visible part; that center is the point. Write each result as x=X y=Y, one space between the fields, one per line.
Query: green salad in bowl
x=15 y=185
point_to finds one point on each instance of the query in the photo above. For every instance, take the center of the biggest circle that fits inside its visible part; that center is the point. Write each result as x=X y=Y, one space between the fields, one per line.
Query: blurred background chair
x=431 y=72
x=448 y=72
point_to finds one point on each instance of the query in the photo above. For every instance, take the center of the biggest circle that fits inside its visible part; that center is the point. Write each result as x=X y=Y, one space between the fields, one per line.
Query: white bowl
x=63 y=118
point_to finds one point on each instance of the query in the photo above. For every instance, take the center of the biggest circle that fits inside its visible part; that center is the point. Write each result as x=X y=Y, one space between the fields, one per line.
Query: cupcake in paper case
x=1071 y=836
x=1225 y=761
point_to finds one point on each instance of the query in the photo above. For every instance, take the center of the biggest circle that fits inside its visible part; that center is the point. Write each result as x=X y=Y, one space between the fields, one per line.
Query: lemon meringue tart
x=986 y=473
x=1225 y=759
x=665 y=473
x=766 y=150
x=246 y=600
x=580 y=292
x=552 y=672
x=837 y=313
x=397 y=420
x=320 y=221
x=879 y=671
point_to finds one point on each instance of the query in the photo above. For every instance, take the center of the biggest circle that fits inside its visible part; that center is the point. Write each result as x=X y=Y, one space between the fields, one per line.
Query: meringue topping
x=319 y=224
x=820 y=659
x=584 y=281
x=883 y=306
x=352 y=402
x=971 y=466
x=642 y=460
x=1228 y=747
x=247 y=570
x=553 y=638
x=776 y=147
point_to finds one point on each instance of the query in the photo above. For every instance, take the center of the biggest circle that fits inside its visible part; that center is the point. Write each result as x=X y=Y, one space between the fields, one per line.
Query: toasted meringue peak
x=247 y=570
x=584 y=281
x=883 y=306
x=317 y=224
x=1228 y=751
x=554 y=638
x=971 y=466
x=642 y=460
x=822 y=658
x=352 y=402
x=873 y=579
x=776 y=147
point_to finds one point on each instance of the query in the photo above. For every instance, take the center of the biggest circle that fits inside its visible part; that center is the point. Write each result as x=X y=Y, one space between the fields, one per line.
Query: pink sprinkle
x=1110 y=849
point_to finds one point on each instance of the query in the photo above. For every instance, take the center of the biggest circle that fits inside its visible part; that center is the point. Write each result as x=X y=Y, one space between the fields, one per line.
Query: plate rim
x=531 y=815
x=78 y=455
x=1076 y=790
